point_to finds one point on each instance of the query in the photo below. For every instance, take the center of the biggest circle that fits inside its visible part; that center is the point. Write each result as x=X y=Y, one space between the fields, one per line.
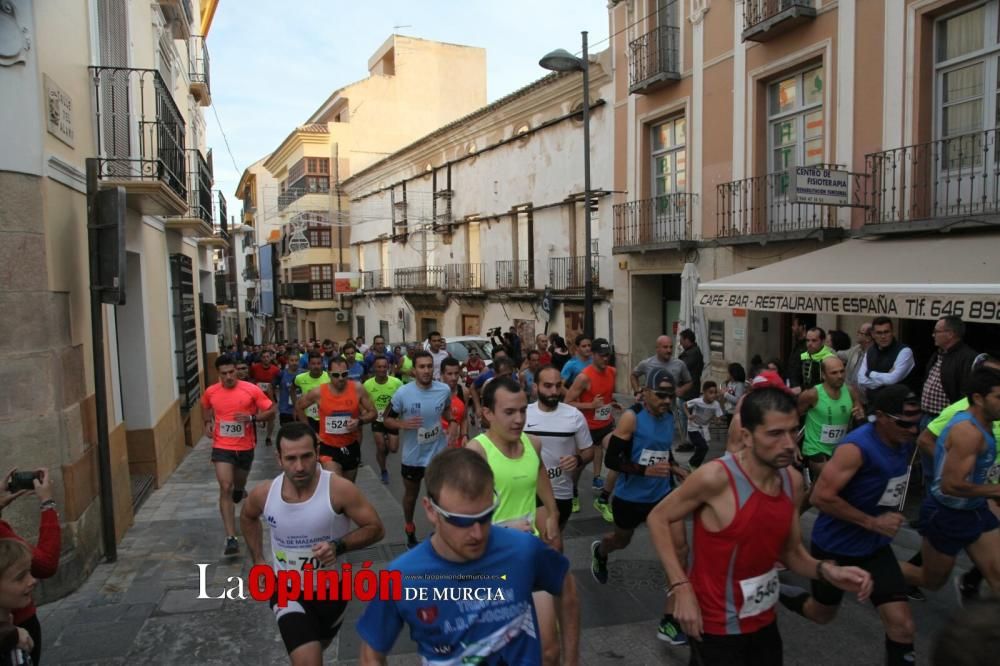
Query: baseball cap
x=769 y=379
x=895 y=398
x=660 y=379
x=601 y=346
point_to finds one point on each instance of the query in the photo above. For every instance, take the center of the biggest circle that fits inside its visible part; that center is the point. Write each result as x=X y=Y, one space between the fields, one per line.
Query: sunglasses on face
x=465 y=520
x=906 y=424
x=663 y=395
x=338 y=375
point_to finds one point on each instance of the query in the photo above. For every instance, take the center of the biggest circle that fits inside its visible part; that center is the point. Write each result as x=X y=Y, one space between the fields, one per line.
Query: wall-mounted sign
x=346 y=283
x=59 y=112
x=814 y=185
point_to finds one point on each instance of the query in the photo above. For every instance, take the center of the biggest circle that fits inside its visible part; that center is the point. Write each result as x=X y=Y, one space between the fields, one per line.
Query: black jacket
x=956 y=366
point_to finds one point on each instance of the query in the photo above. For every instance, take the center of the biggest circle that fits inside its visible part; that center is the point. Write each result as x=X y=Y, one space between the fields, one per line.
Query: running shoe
x=598 y=483
x=913 y=593
x=232 y=546
x=964 y=591
x=385 y=477
x=670 y=631
x=598 y=564
x=238 y=495
x=576 y=505
x=411 y=540
x=604 y=508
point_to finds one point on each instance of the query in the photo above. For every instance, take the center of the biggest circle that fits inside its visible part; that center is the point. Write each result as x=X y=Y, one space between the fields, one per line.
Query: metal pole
x=100 y=386
x=588 y=286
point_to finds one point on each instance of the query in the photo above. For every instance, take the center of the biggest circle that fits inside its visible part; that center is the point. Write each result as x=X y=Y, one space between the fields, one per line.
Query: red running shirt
x=261 y=375
x=601 y=384
x=244 y=398
x=733 y=572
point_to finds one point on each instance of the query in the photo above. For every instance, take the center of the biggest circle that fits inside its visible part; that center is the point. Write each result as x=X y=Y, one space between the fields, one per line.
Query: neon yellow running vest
x=515 y=480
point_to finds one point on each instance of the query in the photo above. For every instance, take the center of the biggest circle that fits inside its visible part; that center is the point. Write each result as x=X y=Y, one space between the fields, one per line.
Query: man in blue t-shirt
x=421 y=412
x=582 y=359
x=467 y=590
x=287 y=389
x=377 y=349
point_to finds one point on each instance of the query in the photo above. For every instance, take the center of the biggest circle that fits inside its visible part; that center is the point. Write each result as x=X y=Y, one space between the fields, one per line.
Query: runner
x=306 y=382
x=565 y=439
x=436 y=347
x=287 y=391
x=955 y=514
x=242 y=370
x=744 y=521
x=582 y=359
x=522 y=483
x=593 y=394
x=343 y=406
x=860 y=498
x=309 y=512
x=230 y=410
x=381 y=387
x=828 y=409
x=460 y=504
x=416 y=411
x=355 y=368
x=458 y=429
x=265 y=374
x=640 y=449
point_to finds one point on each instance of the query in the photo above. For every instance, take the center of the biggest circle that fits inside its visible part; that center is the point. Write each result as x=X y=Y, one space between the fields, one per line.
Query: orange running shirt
x=335 y=410
x=601 y=384
x=244 y=398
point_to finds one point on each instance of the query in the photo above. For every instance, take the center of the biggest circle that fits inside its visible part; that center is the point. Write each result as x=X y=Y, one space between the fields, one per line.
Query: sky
x=273 y=63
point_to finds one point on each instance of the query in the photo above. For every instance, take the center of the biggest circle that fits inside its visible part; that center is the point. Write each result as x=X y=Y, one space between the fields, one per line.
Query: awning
x=918 y=278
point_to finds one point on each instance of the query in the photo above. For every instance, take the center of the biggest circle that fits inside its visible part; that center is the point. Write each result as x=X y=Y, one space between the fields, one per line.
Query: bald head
x=833 y=372
x=664 y=348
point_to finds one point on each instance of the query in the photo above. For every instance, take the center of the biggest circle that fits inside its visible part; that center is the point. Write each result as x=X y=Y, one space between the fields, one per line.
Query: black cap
x=894 y=399
x=660 y=379
x=601 y=346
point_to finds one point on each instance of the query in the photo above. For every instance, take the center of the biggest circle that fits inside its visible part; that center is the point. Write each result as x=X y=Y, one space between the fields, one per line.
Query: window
x=795 y=124
x=967 y=65
x=321 y=291
x=318 y=273
x=319 y=238
x=669 y=157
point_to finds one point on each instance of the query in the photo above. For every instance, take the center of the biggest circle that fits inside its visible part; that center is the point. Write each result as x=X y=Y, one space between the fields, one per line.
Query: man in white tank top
x=309 y=511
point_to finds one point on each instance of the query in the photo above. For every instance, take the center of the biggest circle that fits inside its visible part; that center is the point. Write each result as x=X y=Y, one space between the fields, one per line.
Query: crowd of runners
x=503 y=443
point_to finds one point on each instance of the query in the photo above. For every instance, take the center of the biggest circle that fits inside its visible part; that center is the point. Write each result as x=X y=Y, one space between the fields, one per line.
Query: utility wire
x=215 y=110
x=630 y=25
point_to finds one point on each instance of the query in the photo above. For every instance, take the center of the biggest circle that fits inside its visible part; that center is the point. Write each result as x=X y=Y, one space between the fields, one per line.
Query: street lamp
x=561 y=60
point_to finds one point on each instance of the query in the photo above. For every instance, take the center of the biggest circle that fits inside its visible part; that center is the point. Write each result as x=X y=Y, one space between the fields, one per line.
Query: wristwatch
x=339 y=547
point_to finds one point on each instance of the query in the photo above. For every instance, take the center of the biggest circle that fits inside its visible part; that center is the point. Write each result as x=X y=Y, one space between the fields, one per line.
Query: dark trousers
x=700 y=448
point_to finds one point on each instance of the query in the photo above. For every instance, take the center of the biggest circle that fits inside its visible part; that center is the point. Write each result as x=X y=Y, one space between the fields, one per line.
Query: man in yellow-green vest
x=809 y=371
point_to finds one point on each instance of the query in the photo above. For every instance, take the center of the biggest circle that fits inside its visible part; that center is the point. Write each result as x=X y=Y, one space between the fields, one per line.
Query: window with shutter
x=114 y=91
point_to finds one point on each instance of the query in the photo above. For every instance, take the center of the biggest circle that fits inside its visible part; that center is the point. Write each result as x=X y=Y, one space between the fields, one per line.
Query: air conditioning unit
x=342 y=316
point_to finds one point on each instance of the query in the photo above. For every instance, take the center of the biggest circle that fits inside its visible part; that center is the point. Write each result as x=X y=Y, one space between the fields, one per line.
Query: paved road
x=143 y=608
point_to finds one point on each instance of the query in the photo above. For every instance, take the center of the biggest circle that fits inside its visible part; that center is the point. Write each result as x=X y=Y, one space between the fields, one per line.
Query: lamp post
x=561 y=60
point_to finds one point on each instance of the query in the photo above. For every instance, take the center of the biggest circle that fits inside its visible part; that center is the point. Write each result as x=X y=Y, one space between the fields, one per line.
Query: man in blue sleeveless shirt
x=955 y=514
x=859 y=495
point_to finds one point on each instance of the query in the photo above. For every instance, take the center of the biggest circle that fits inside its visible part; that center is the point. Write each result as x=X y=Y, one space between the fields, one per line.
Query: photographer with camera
x=45 y=555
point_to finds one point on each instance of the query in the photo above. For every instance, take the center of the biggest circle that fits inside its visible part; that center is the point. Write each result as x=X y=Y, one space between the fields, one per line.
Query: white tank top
x=296 y=527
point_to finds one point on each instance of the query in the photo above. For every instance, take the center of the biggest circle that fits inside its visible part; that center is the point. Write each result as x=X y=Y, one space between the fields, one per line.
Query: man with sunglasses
x=640 y=451
x=466 y=556
x=955 y=514
x=417 y=411
x=860 y=498
x=343 y=406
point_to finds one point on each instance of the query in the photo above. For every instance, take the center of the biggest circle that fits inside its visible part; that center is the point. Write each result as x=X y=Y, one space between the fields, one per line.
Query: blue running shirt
x=419 y=446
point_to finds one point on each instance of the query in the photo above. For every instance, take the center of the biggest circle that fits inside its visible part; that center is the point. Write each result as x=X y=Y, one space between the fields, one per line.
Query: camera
x=494 y=332
x=22 y=481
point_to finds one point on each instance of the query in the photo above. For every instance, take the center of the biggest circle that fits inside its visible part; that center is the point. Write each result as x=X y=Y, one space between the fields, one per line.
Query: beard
x=549 y=400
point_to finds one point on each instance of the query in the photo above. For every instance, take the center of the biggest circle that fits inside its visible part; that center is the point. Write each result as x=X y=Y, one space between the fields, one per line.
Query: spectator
x=16 y=584
x=560 y=351
x=948 y=369
x=839 y=341
x=695 y=362
x=808 y=372
x=44 y=556
x=542 y=345
x=886 y=362
x=799 y=327
x=736 y=384
x=852 y=357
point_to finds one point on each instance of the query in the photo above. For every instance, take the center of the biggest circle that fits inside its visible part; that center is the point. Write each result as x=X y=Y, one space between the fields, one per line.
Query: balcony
x=311 y=199
x=198 y=73
x=465 y=277
x=251 y=274
x=953 y=181
x=763 y=20
x=660 y=223
x=514 y=275
x=179 y=15
x=197 y=220
x=377 y=280
x=653 y=60
x=140 y=139
x=570 y=273
x=419 y=278
x=298 y=291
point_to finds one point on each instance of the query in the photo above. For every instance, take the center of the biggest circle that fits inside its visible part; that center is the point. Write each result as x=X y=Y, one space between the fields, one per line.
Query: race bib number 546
x=760 y=593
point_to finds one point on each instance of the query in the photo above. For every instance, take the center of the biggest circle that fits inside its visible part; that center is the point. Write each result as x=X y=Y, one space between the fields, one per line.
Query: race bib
x=651 y=457
x=555 y=472
x=233 y=429
x=296 y=559
x=263 y=386
x=312 y=411
x=894 y=490
x=832 y=434
x=337 y=424
x=760 y=593
x=473 y=374
x=381 y=416
x=429 y=435
x=602 y=413
x=993 y=474
x=522 y=523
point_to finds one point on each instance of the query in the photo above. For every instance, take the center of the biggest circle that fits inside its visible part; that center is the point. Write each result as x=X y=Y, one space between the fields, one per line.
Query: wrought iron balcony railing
x=662 y=219
x=221 y=214
x=957 y=177
x=199 y=181
x=764 y=19
x=377 y=279
x=763 y=205
x=464 y=277
x=419 y=277
x=140 y=130
x=198 y=69
x=654 y=59
x=570 y=273
x=514 y=274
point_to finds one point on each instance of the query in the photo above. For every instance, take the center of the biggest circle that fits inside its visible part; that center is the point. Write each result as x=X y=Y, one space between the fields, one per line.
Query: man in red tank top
x=593 y=393
x=744 y=523
x=344 y=405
